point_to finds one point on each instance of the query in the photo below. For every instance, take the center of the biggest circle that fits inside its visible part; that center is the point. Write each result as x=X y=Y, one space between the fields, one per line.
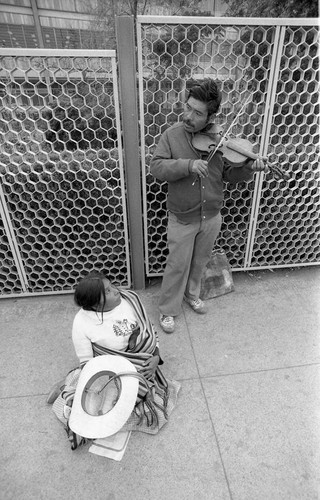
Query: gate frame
x=4 y=214
x=280 y=25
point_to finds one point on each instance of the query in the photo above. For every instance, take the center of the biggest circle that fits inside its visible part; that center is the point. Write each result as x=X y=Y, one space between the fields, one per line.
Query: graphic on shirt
x=124 y=327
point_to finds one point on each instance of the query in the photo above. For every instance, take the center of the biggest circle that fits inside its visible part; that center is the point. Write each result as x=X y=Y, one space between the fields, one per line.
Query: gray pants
x=190 y=247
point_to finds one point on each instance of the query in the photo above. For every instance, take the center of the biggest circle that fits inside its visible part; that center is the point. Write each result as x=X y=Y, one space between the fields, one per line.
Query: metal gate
x=62 y=196
x=272 y=64
x=62 y=190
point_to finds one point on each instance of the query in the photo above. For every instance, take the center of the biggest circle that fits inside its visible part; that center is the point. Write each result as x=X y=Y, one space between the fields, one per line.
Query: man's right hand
x=200 y=168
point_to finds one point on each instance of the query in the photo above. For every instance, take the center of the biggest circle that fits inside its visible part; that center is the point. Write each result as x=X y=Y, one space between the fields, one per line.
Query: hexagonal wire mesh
x=287 y=228
x=241 y=58
x=61 y=172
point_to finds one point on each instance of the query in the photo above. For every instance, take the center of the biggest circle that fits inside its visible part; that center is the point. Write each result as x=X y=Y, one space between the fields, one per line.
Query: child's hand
x=149 y=367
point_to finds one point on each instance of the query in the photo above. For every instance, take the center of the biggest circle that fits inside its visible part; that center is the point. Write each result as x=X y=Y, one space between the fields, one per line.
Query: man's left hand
x=259 y=165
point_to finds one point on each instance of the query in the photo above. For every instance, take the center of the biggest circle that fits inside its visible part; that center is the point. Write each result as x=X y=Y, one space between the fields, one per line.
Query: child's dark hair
x=207 y=92
x=90 y=291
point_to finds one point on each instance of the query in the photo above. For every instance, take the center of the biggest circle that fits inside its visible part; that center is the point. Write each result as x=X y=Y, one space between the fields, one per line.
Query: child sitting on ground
x=115 y=322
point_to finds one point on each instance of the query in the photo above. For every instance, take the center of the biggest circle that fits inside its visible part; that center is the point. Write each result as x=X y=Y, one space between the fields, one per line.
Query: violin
x=235 y=151
x=208 y=139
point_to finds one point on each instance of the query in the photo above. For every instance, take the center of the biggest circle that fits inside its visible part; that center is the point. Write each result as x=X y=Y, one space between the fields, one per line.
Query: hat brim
x=100 y=426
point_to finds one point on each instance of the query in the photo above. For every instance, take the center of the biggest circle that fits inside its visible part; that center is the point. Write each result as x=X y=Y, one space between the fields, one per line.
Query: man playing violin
x=194 y=202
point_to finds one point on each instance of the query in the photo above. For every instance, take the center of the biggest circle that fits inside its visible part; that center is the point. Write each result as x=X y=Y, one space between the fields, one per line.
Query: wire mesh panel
x=175 y=54
x=61 y=169
x=287 y=229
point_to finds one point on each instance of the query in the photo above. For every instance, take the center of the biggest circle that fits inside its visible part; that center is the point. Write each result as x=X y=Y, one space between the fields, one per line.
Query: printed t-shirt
x=111 y=330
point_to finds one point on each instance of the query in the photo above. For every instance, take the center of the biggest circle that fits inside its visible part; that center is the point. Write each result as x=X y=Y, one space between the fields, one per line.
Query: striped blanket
x=156 y=399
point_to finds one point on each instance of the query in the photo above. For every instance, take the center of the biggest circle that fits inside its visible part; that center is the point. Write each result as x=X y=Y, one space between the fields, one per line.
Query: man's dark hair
x=207 y=92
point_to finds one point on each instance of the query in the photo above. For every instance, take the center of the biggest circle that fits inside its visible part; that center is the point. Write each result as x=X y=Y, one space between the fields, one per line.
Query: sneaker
x=167 y=323
x=197 y=305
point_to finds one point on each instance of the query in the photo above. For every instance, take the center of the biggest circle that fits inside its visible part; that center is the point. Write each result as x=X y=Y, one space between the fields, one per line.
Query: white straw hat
x=104 y=399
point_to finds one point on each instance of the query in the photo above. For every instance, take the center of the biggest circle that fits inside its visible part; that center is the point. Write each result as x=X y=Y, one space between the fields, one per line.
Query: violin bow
x=227 y=131
x=277 y=172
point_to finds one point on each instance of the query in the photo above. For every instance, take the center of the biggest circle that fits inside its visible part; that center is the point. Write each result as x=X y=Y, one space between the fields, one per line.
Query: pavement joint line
x=217 y=442
x=209 y=414
x=200 y=377
x=253 y=371
x=20 y=396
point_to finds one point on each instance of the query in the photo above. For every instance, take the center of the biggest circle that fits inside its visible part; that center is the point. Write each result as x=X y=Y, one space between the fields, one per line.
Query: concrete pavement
x=247 y=423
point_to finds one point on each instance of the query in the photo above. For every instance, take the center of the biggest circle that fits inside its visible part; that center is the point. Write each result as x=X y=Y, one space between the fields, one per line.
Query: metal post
x=37 y=24
x=126 y=48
